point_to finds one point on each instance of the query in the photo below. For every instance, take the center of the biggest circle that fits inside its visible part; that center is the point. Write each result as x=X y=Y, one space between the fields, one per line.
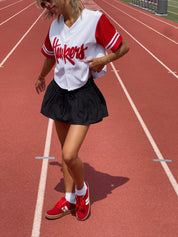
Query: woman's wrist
x=40 y=77
x=107 y=59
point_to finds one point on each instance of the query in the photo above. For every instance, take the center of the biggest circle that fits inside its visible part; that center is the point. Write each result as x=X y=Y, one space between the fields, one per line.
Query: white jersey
x=87 y=38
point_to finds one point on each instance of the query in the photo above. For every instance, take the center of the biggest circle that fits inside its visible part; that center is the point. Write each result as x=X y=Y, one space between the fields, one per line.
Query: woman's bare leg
x=73 y=141
x=62 y=130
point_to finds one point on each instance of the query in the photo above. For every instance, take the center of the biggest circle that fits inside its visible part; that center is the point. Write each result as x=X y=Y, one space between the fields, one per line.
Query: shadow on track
x=101 y=184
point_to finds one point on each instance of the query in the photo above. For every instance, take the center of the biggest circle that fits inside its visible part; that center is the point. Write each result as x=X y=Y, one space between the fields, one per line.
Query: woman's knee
x=69 y=157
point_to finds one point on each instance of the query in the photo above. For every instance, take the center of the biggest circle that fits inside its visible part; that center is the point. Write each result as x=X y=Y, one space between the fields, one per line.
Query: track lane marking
x=162 y=160
x=141 y=121
x=143 y=12
x=148 y=134
x=13 y=49
x=42 y=184
x=10 y=5
x=16 y=14
x=141 y=23
x=45 y=157
x=157 y=59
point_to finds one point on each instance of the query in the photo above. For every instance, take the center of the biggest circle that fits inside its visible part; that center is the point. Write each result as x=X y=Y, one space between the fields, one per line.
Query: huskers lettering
x=66 y=53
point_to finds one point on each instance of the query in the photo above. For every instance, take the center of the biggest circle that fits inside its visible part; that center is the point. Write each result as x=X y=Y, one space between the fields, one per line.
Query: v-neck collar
x=74 y=24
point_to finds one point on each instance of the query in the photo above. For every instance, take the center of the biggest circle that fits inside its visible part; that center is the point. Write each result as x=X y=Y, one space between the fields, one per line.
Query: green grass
x=172 y=10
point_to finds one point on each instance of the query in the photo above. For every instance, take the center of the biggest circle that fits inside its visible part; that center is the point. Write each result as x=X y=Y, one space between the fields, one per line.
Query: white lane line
x=10 y=5
x=90 y=4
x=157 y=59
x=16 y=14
x=142 y=123
x=148 y=134
x=42 y=184
x=144 y=13
x=9 y=54
x=142 y=23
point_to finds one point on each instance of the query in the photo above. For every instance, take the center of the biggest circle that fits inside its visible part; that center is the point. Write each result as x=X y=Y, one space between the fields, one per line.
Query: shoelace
x=80 y=205
x=61 y=203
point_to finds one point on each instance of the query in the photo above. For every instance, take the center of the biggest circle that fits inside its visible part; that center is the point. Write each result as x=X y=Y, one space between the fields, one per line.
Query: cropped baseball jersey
x=87 y=38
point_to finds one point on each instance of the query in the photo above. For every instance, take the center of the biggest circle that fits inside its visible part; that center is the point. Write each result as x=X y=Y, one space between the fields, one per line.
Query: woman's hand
x=97 y=64
x=40 y=84
x=48 y=64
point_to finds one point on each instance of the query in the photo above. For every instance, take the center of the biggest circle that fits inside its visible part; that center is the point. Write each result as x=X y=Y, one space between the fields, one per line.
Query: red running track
x=131 y=194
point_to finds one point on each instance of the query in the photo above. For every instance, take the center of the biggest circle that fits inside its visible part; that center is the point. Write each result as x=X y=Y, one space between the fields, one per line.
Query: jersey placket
x=67 y=64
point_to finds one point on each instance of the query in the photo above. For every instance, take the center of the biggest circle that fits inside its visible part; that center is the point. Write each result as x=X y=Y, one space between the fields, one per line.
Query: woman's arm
x=97 y=64
x=123 y=49
x=40 y=84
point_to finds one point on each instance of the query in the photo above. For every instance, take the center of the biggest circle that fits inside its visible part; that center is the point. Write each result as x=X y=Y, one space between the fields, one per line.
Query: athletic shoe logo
x=87 y=201
x=68 y=53
x=64 y=209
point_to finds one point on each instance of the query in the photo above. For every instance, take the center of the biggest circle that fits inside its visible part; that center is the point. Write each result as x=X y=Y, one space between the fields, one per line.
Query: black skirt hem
x=75 y=123
x=83 y=106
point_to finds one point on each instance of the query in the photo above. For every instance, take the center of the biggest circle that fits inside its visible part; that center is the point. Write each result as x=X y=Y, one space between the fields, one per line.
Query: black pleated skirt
x=82 y=106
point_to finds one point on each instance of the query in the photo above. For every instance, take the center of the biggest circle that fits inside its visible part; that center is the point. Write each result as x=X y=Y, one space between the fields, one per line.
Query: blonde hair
x=76 y=6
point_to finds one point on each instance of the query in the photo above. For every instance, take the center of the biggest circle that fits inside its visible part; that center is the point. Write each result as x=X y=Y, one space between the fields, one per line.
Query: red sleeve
x=47 y=49
x=107 y=35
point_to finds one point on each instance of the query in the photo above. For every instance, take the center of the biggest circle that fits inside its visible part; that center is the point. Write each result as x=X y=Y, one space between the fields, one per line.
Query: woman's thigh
x=74 y=139
x=62 y=130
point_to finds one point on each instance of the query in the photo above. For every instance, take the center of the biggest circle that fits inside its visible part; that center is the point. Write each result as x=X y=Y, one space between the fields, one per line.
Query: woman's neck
x=70 y=18
x=69 y=15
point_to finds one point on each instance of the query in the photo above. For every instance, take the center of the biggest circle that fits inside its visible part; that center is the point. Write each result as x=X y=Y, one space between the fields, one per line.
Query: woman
x=76 y=43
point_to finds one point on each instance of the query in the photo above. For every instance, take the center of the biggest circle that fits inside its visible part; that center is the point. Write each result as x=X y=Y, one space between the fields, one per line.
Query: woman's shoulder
x=58 y=21
x=57 y=25
x=87 y=13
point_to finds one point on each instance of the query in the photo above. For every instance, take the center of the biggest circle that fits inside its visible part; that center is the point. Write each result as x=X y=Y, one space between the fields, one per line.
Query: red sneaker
x=62 y=208
x=83 y=206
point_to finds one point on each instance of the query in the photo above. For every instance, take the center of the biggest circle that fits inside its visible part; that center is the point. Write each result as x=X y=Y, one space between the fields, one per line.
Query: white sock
x=70 y=197
x=82 y=191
